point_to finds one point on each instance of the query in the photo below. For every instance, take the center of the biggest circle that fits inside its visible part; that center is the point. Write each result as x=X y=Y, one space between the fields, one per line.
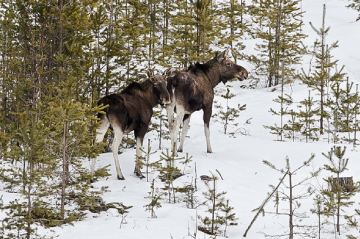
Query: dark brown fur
x=193 y=90
x=131 y=110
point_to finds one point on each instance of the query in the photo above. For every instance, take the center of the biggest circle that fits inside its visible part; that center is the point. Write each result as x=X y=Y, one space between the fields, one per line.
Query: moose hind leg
x=100 y=133
x=139 y=134
x=118 y=135
x=184 y=132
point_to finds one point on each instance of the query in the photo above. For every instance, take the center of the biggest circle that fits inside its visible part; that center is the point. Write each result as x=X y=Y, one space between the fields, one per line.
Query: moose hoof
x=209 y=151
x=139 y=175
x=120 y=178
x=180 y=150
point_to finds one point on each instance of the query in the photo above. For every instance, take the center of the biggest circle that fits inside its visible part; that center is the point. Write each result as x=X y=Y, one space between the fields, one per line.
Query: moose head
x=160 y=85
x=228 y=69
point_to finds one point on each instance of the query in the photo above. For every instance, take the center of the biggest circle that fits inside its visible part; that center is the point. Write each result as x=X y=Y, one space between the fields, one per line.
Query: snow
x=239 y=159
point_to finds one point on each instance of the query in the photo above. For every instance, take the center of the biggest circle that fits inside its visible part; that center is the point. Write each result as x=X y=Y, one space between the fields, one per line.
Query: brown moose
x=193 y=90
x=132 y=110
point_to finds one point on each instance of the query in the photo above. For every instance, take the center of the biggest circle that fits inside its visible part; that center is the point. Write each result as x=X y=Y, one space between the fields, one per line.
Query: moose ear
x=150 y=73
x=167 y=72
x=222 y=55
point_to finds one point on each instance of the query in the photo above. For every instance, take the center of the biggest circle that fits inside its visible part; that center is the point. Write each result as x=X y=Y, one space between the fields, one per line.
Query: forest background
x=58 y=58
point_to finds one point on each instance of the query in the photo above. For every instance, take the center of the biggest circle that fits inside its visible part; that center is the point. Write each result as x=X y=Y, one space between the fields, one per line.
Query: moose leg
x=100 y=133
x=207 y=116
x=184 y=131
x=139 y=134
x=118 y=135
x=170 y=115
x=177 y=122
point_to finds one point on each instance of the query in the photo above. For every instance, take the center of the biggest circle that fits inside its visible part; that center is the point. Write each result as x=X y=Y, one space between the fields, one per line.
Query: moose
x=131 y=110
x=193 y=90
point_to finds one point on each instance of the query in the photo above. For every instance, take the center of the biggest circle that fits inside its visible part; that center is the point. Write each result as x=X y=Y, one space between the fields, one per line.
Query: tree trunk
x=213 y=208
x=29 y=182
x=64 y=172
x=291 y=225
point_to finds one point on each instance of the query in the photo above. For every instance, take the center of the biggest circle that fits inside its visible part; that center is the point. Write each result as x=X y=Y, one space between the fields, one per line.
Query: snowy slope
x=239 y=159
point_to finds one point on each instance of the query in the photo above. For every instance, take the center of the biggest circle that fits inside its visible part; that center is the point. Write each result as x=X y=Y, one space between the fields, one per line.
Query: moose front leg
x=184 y=132
x=176 y=127
x=207 y=116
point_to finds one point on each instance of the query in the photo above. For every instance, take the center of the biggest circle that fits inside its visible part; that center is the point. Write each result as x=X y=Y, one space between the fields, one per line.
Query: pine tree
x=346 y=108
x=356 y=6
x=23 y=175
x=215 y=202
x=293 y=126
x=320 y=210
x=155 y=197
x=71 y=141
x=169 y=172
x=229 y=218
x=287 y=194
x=321 y=79
x=184 y=34
x=306 y=118
x=230 y=114
x=147 y=163
x=278 y=25
x=234 y=26
x=285 y=102
x=338 y=197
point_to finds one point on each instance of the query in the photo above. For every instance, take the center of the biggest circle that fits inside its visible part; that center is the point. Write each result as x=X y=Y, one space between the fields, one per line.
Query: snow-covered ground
x=239 y=159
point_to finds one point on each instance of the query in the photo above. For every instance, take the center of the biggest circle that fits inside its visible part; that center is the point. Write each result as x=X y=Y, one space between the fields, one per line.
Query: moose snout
x=165 y=100
x=243 y=75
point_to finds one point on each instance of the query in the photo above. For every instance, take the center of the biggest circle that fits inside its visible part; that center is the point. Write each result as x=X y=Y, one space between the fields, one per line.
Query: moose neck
x=147 y=93
x=212 y=72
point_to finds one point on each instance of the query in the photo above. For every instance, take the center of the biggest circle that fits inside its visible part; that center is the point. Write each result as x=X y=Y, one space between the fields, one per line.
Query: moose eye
x=228 y=64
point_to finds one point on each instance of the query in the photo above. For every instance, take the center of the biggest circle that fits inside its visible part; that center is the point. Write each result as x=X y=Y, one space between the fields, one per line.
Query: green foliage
x=345 y=109
x=233 y=26
x=356 y=6
x=218 y=208
x=27 y=171
x=320 y=78
x=230 y=114
x=169 y=172
x=287 y=194
x=155 y=196
x=146 y=161
x=278 y=25
x=285 y=102
x=306 y=118
x=337 y=197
